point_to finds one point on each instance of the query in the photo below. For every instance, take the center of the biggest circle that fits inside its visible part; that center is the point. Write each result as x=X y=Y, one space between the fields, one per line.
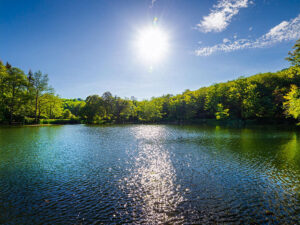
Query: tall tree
x=121 y=109
x=40 y=86
x=94 y=109
x=292 y=105
x=50 y=106
x=3 y=89
x=16 y=84
x=108 y=101
x=294 y=56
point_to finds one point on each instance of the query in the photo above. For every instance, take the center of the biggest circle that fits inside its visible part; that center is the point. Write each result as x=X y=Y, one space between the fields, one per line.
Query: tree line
x=28 y=98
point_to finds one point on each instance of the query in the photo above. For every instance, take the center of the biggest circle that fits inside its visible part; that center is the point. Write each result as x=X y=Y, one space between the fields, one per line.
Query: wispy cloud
x=221 y=15
x=152 y=3
x=285 y=31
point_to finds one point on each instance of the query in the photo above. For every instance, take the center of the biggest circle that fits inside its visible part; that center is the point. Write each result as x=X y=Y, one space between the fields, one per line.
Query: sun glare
x=152 y=44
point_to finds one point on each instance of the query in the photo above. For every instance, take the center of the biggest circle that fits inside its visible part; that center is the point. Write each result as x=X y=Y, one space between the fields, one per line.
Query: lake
x=151 y=174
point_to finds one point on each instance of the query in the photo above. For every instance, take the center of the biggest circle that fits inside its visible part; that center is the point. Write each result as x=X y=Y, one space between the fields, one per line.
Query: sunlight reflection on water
x=152 y=182
x=149 y=174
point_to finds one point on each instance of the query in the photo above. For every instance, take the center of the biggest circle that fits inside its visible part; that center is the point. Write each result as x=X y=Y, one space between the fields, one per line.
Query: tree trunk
x=50 y=111
x=36 y=106
x=39 y=109
x=11 y=108
x=11 y=115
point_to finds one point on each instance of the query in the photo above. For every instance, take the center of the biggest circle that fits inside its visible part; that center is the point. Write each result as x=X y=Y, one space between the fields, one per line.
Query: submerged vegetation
x=265 y=97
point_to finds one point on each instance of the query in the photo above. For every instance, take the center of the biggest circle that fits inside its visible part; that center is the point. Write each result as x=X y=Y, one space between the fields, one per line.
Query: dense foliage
x=265 y=97
x=26 y=98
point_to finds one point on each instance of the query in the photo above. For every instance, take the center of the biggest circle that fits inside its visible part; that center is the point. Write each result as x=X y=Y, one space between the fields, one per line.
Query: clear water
x=149 y=174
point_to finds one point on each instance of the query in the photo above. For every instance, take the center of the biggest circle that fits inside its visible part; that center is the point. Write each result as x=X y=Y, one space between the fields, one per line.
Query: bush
x=28 y=120
x=60 y=121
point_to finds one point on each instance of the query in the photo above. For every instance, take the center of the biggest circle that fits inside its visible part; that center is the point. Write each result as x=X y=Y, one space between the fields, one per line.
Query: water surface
x=78 y=174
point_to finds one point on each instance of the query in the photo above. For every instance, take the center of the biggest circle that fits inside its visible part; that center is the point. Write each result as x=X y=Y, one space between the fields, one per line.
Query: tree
x=108 y=103
x=14 y=98
x=74 y=105
x=216 y=94
x=121 y=109
x=50 y=106
x=236 y=95
x=94 y=110
x=148 y=111
x=294 y=56
x=221 y=112
x=292 y=104
x=67 y=114
x=40 y=86
x=3 y=89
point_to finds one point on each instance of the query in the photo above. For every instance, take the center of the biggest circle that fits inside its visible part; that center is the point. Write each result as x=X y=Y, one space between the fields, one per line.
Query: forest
x=29 y=99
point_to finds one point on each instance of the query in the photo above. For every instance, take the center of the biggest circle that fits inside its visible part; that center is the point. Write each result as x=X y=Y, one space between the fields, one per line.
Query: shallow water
x=78 y=174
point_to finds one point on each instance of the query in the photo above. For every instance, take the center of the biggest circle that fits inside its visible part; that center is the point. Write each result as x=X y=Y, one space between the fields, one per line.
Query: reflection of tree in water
x=264 y=164
x=277 y=147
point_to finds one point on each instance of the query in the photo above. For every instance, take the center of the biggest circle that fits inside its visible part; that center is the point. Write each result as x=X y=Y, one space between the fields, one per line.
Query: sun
x=152 y=44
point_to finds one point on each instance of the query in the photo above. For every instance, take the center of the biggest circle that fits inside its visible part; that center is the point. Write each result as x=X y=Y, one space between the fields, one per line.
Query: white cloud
x=221 y=15
x=226 y=40
x=285 y=31
x=152 y=3
x=250 y=28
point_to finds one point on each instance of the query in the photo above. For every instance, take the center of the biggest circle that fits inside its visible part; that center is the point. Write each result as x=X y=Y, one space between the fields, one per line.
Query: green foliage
x=149 y=111
x=60 y=121
x=93 y=109
x=292 y=104
x=294 y=56
x=39 y=86
x=221 y=112
x=67 y=114
x=13 y=93
x=50 y=106
x=28 y=120
x=74 y=105
x=107 y=109
x=25 y=97
x=262 y=96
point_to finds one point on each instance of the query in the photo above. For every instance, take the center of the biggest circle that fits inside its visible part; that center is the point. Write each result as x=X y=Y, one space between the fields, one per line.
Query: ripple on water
x=148 y=174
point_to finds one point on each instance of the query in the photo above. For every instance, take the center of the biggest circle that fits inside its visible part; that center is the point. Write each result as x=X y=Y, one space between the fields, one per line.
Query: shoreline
x=200 y=122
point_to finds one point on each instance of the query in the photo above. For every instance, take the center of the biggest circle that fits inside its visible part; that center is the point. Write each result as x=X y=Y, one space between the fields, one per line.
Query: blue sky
x=86 y=47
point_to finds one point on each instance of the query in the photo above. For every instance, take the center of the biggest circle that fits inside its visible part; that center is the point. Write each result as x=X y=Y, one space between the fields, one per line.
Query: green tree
x=40 y=86
x=67 y=114
x=94 y=109
x=50 y=106
x=294 y=56
x=149 y=111
x=221 y=112
x=292 y=104
x=236 y=94
x=3 y=89
x=121 y=109
x=108 y=104
x=14 y=98
x=74 y=105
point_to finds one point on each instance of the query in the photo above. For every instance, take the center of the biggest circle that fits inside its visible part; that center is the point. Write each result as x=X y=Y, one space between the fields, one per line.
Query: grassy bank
x=31 y=121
